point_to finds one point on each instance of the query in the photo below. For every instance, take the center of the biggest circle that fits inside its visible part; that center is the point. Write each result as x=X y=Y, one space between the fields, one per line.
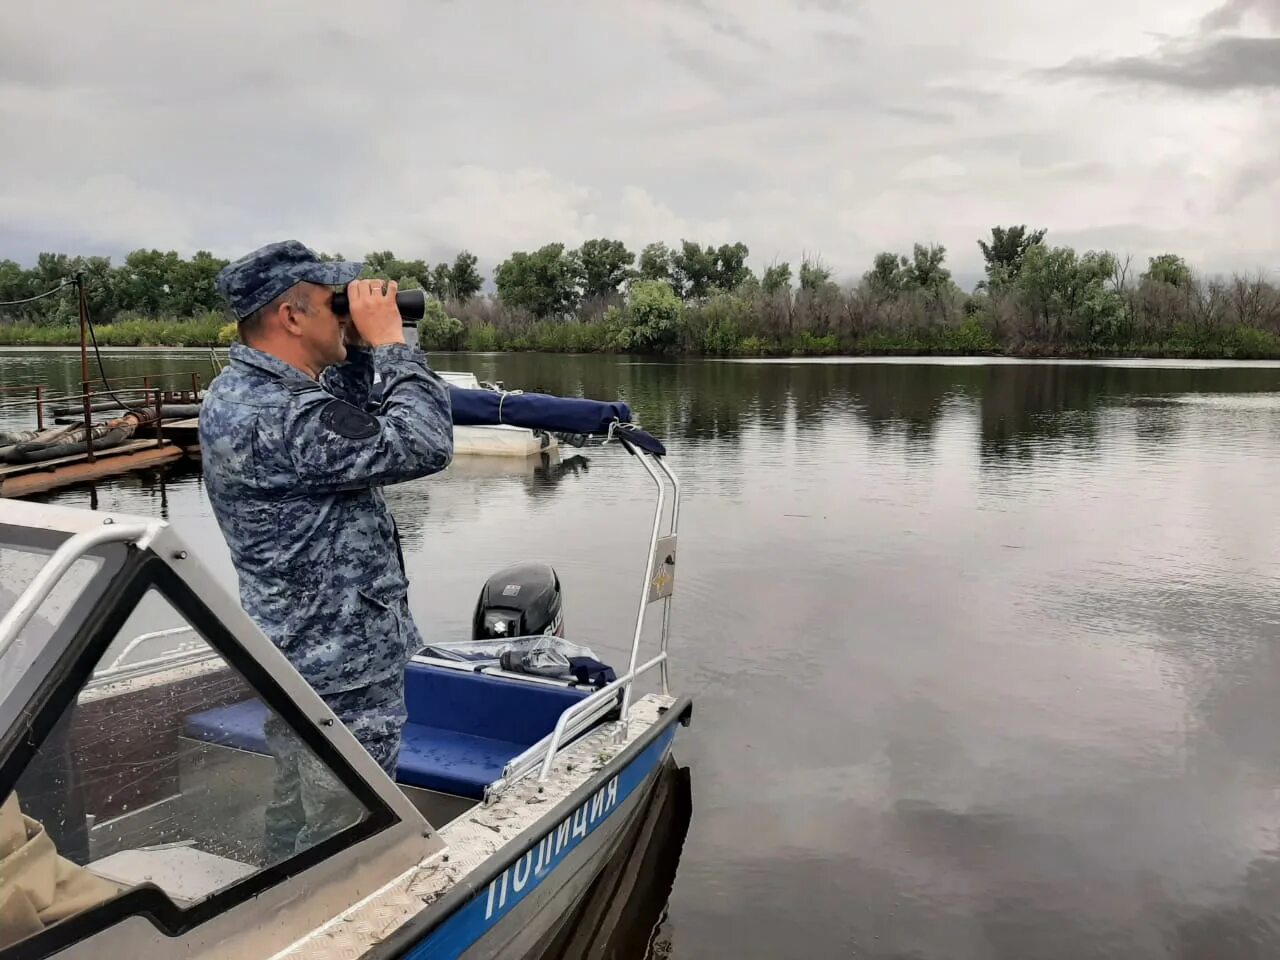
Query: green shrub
x=483 y=339
x=652 y=316
x=439 y=331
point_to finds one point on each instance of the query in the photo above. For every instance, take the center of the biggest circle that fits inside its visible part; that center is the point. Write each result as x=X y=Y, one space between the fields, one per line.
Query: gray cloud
x=1213 y=66
x=1233 y=12
x=836 y=126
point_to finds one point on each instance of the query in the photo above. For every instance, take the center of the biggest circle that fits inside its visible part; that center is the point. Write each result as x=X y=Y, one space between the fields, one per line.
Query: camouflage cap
x=257 y=278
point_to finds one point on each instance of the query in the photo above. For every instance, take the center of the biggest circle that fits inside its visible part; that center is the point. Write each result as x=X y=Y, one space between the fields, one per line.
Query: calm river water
x=983 y=655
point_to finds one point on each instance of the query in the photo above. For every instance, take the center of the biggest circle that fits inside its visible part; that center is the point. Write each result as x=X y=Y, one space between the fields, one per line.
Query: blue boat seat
x=462 y=729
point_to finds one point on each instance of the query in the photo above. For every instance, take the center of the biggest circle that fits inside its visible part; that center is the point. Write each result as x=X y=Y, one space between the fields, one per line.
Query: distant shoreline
x=940 y=359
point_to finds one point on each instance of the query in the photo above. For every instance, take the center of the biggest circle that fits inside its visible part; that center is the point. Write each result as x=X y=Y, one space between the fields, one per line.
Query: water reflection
x=623 y=915
x=983 y=655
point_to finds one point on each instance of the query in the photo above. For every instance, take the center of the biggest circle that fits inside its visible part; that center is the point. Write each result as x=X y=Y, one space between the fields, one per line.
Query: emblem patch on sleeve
x=348 y=421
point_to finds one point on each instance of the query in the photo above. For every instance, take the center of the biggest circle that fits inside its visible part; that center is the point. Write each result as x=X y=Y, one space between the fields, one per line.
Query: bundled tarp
x=566 y=417
x=539 y=411
x=69 y=440
x=536 y=411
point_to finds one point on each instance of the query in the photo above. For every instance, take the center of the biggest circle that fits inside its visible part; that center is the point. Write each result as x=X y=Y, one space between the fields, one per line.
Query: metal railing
x=582 y=715
x=146 y=401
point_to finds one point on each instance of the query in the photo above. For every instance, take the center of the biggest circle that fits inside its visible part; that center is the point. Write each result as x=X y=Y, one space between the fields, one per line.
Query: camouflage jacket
x=294 y=469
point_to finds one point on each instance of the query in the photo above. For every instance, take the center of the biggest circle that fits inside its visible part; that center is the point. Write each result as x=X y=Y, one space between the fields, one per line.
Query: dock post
x=159 y=428
x=83 y=304
x=87 y=387
x=39 y=407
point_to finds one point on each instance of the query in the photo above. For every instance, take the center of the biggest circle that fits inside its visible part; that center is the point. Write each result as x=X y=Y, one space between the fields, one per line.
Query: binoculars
x=412 y=304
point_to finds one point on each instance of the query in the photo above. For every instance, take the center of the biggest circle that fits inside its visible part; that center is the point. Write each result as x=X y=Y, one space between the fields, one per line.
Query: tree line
x=1035 y=298
x=163 y=284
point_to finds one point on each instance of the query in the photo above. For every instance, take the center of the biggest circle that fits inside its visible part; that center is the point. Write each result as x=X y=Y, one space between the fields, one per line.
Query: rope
x=38 y=296
x=102 y=370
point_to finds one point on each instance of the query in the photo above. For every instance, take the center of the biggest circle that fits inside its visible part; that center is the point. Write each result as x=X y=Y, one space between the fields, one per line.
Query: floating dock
x=154 y=407
x=25 y=479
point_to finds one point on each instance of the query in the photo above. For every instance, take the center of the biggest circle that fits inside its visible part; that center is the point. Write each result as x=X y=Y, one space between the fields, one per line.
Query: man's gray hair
x=251 y=326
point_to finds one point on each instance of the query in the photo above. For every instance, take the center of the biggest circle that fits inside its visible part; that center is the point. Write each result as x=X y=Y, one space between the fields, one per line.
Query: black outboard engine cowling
x=521 y=600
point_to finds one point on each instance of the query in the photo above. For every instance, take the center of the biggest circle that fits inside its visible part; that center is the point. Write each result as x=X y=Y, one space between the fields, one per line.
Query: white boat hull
x=500 y=441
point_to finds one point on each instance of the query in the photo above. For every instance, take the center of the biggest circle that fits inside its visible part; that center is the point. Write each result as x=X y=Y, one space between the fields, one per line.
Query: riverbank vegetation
x=1036 y=299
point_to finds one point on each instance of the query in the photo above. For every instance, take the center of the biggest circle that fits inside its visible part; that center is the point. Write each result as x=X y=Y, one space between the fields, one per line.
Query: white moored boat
x=146 y=720
x=495 y=439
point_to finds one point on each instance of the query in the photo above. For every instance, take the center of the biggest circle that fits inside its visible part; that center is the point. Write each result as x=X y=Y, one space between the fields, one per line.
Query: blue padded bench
x=462 y=729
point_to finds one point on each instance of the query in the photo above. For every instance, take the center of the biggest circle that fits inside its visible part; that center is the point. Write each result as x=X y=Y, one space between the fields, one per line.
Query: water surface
x=982 y=654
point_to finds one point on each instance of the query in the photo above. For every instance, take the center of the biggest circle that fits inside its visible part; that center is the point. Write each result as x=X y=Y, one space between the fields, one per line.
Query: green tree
x=889 y=273
x=99 y=285
x=731 y=266
x=441 y=281
x=656 y=262
x=693 y=270
x=464 y=279
x=144 y=281
x=925 y=271
x=698 y=271
x=439 y=331
x=379 y=263
x=193 y=284
x=546 y=282
x=653 y=315
x=1006 y=252
x=813 y=275
x=385 y=265
x=1168 y=268
x=776 y=279
x=606 y=266
x=1070 y=293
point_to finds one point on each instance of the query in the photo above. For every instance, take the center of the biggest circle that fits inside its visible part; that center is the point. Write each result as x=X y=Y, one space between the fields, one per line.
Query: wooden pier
x=158 y=420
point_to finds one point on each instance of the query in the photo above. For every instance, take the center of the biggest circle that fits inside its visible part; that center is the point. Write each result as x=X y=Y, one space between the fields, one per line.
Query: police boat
x=146 y=719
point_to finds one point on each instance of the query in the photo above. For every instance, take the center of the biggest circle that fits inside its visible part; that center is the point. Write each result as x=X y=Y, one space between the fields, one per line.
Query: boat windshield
x=57 y=617
x=133 y=784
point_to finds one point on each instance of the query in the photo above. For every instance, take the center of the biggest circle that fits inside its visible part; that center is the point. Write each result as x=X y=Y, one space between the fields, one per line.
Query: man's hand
x=374 y=314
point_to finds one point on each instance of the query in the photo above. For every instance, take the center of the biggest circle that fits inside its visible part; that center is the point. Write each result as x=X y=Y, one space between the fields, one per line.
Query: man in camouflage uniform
x=293 y=460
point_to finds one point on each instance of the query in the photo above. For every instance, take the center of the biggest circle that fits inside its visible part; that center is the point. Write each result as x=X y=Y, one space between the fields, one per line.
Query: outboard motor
x=521 y=600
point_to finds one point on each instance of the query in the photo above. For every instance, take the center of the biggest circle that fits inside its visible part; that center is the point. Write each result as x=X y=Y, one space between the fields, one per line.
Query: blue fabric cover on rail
x=536 y=411
x=540 y=411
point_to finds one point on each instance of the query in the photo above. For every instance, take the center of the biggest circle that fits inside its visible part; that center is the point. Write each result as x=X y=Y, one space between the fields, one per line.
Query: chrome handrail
x=648 y=577
x=666 y=604
x=580 y=716
x=572 y=721
x=577 y=717
x=624 y=683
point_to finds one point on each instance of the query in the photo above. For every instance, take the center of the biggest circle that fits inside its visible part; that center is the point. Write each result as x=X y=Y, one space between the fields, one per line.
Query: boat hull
x=500 y=441
x=521 y=897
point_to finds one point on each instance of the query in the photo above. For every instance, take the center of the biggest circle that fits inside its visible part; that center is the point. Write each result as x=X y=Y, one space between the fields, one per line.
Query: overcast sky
x=828 y=127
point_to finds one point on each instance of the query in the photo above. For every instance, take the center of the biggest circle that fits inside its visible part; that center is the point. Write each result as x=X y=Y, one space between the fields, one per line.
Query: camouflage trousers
x=309 y=803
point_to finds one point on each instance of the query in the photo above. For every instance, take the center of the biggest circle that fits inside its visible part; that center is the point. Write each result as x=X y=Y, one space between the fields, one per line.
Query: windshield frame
x=125 y=584
x=19 y=687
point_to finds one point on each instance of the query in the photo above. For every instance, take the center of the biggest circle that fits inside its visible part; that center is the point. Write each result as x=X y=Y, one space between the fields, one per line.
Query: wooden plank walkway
x=24 y=479
x=185 y=433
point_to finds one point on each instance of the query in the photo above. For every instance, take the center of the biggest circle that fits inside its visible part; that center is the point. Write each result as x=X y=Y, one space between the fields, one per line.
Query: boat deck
x=24 y=479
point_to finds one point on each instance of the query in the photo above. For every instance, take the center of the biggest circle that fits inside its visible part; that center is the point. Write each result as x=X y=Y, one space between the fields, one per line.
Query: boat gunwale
x=418 y=927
